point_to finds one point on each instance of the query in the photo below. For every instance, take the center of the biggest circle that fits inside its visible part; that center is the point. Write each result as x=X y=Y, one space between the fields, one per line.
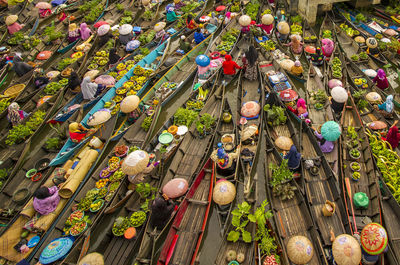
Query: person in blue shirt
x=198 y=36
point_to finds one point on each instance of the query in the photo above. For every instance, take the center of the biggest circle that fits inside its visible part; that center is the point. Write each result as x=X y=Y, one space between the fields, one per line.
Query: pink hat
x=297 y=63
x=228 y=14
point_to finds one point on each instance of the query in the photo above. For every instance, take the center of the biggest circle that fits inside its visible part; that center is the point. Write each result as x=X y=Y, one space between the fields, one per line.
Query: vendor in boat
x=280 y=15
x=386 y=108
x=12 y=25
x=85 y=31
x=40 y=80
x=229 y=66
x=113 y=57
x=15 y=116
x=77 y=132
x=317 y=58
x=393 y=136
x=184 y=45
x=171 y=16
x=372 y=45
x=45 y=201
x=283 y=30
x=198 y=36
x=190 y=23
x=105 y=34
x=326 y=146
x=21 y=68
x=249 y=61
x=203 y=67
x=293 y=158
x=381 y=80
x=162 y=208
x=224 y=161
x=161 y=34
x=338 y=100
x=227 y=18
x=74 y=82
x=45 y=12
x=297 y=69
x=296 y=45
x=125 y=34
x=327 y=47
x=89 y=89
x=300 y=110
x=267 y=23
x=214 y=20
x=73 y=33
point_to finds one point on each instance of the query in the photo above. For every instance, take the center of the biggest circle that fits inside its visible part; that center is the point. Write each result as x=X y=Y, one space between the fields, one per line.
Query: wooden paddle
x=348 y=187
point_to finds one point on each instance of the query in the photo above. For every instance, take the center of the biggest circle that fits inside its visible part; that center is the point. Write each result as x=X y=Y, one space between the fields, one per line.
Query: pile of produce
x=51 y=34
x=275 y=115
x=252 y=8
x=195 y=104
x=336 y=68
x=147 y=37
x=349 y=31
x=28 y=42
x=147 y=123
x=296 y=27
x=22 y=131
x=100 y=60
x=64 y=63
x=228 y=40
x=327 y=34
x=137 y=219
x=361 y=82
x=148 y=15
x=4 y=103
x=268 y=45
x=185 y=116
x=127 y=18
x=76 y=223
x=235 y=7
x=388 y=162
x=190 y=6
x=53 y=87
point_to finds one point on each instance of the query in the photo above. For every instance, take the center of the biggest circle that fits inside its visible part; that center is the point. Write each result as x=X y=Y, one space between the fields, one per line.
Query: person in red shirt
x=230 y=66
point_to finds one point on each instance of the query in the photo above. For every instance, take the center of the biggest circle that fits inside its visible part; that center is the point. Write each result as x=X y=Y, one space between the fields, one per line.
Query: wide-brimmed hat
x=43 y=5
x=72 y=27
x=11 y=19
x=125 y=29
x=103 y=29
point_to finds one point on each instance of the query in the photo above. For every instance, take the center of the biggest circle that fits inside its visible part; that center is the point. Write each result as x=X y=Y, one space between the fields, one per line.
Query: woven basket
x=14 y=91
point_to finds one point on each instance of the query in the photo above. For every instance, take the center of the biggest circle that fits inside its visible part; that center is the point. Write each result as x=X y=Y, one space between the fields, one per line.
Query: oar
x=348 y=187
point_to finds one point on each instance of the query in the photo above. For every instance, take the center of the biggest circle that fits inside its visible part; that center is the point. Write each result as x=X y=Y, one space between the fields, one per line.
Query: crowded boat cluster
x=188 y=132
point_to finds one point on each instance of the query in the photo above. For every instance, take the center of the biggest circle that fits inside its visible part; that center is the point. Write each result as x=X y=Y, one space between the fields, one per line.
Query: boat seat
x=199 y=202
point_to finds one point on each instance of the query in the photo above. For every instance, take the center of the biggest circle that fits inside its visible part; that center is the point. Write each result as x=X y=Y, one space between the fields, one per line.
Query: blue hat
x=202 y=60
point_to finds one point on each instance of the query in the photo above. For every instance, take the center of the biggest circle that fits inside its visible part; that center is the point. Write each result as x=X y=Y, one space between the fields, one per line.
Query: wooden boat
x=226 y=128
x=17 y=177
x=185 y=236
x=292 y=216
x=45 y=224
x=321 y=190
x=367 y=183
x=250 y=91
x=382 y=13
x=69 y=147
x=319 y=116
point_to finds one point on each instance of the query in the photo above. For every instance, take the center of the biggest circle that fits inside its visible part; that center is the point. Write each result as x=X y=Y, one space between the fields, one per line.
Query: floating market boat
x=44 y=224
x=291 y=216
x=322 y=193
x=227 y=134
x=250 y=117
x=320 y=111
x=185 y=236
x=360 y=188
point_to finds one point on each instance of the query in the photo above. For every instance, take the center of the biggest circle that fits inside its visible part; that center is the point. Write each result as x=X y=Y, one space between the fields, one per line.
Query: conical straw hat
x=224 y=192
x=99 y=117
x=135 y=162
x=129 y=104
x=346 y=250
x=300 y=250
x=92 y=259
x=284 y=143
x=11 y=19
